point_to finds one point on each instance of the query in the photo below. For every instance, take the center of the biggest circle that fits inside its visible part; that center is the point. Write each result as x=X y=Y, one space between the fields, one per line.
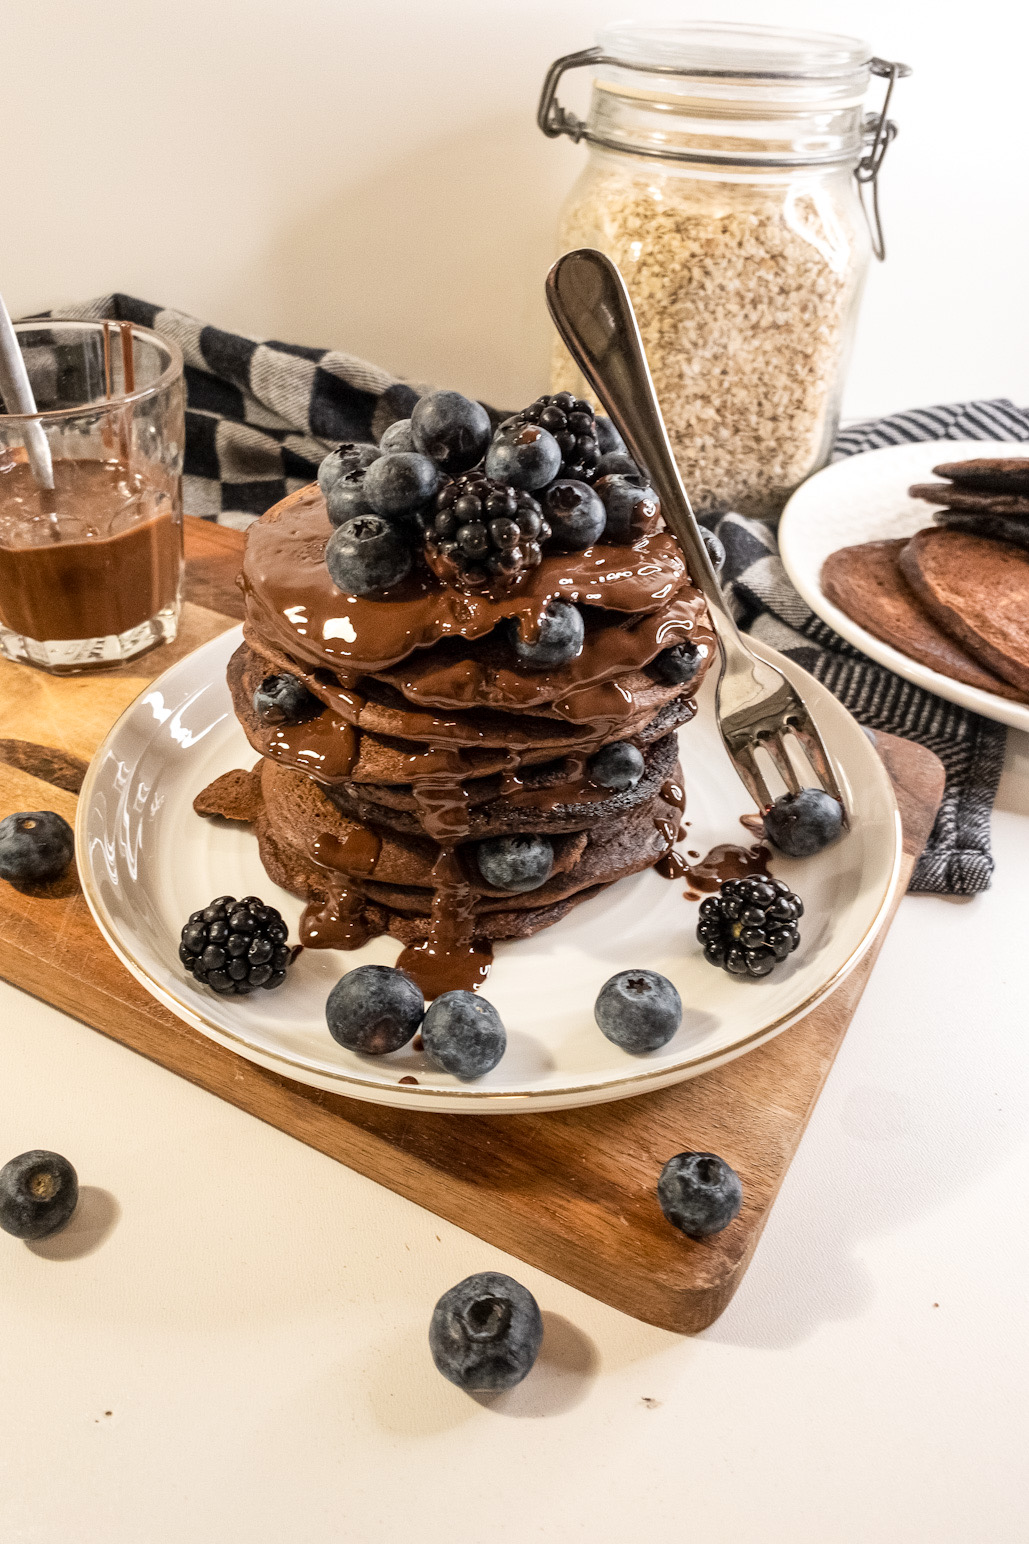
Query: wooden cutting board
x=572 y=1193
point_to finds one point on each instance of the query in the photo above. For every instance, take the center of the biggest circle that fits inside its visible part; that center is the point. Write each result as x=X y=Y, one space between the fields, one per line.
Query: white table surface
x=229 y=1341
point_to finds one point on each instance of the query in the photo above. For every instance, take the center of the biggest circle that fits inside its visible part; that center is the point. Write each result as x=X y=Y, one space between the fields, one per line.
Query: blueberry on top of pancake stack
x=463 y=685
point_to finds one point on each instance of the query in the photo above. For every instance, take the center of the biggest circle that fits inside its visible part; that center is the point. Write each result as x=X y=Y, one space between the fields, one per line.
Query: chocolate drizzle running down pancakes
x=433 y=738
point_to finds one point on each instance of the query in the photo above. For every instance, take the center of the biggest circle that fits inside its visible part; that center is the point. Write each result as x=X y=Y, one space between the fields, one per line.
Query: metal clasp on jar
x=878 y=130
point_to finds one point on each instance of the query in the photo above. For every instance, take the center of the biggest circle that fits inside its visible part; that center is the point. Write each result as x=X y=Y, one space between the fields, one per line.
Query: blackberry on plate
x=480 y=531
x=573 y=424
x=750 y=925
x=234 y=947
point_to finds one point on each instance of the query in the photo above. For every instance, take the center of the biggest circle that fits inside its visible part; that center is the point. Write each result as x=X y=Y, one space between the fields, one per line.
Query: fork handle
x=593 y=313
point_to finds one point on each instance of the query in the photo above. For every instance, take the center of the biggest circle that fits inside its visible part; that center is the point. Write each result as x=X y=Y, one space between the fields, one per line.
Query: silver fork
x=755 y=705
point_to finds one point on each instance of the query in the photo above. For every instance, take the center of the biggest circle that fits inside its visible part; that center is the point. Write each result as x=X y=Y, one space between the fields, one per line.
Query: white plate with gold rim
x=147 y=861
x=865 y=498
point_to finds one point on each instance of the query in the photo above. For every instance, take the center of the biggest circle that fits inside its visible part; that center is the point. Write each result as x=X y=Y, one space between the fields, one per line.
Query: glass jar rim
x=736 y=51
x=172 y=369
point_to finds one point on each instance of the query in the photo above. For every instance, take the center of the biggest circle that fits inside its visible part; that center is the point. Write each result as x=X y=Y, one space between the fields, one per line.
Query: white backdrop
x=367 y=174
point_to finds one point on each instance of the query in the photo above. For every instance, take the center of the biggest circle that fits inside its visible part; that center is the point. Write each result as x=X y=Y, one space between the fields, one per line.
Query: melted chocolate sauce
x=356 y=854
x=337 y=923
x=722 y=863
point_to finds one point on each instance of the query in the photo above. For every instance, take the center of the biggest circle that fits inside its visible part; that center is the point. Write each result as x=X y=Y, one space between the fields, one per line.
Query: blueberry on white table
x=486 y=1332
x=802 y=824
x=374 y=1009
x=38 y=1193
x=699 y=1193
x=35 y=845
x=639 y=1010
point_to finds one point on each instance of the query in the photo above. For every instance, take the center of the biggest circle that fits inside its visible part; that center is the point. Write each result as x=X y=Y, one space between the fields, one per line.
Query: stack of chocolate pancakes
x=431 y=738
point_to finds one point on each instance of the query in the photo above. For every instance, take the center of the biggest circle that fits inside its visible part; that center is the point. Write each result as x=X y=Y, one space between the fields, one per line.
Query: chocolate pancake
x=429 y=735
x=993 y=474
x=1007 y=528
x=973 y=500
x=867 y=584
x=977 y=590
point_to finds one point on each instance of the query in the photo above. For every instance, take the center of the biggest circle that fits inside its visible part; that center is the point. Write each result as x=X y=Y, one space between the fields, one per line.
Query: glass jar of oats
x=723 y=179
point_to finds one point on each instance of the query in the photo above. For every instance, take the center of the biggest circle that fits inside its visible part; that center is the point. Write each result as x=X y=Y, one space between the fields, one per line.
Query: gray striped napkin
x=957 y=859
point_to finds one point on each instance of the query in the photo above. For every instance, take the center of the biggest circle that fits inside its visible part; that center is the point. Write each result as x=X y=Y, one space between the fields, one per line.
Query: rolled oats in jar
x=722 y=179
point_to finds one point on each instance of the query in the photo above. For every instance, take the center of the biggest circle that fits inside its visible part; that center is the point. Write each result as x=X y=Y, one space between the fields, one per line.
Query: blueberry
x=631 y=510
x=365 y=555
x=574 y=513
x=463 y=1034
x=515 y=863
x=559 y=638
x=715 y=550
x=349 y=457
x=284 y=699
x=638 y=1010
x=397 y=437
x=699 y=1193
x=608 y=437
x=38 y=1193
x=374 y=1009
x=619 y=766
x=345 y=499
x=400 y=483
x=802 y=824
x=619 y=464
x=35 y=844
x=680 y=664
x=486 y=1332
x=523 y=456
x=453 y=430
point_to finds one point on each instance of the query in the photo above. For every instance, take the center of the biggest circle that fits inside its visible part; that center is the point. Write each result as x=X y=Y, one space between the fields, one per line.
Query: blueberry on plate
x=345 y=498
x=618 y=766
x=463 y=1034
x=397 y=437
x=284 y=699
x=486 y=1332
x=639 y=1010
x=454 y=431
x=558 y=640
x=699 y=1193
x=35 y=845
x=235 y=947
x=608 y=438
x=523 y=456
x=515 y=863
x=680 y=664
x=802 y=824
x=750 y=926
x=574 y=513
x=366 y=555
x=374 y=1009
x=38 y=1193
x=632 y=509
x=400 y=483
x=348 y=457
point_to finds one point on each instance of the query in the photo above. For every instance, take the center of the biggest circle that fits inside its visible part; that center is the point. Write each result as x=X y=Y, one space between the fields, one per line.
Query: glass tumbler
x=91 y=568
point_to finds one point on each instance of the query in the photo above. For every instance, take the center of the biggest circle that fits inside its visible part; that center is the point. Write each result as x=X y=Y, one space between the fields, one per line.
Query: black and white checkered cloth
x=957 y=859
x=261 y=415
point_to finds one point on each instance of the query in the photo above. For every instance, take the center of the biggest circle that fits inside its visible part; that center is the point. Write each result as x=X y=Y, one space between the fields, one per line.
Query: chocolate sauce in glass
x=96 y=555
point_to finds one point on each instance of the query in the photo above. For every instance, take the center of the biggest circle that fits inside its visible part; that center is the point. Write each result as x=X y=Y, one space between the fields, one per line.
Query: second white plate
x=865 y=498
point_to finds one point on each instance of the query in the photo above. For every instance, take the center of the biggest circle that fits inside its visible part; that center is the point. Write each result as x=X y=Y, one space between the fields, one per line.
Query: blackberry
x=750 y=925
x=573 y=424
x=234 y=947
x=479 y=531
